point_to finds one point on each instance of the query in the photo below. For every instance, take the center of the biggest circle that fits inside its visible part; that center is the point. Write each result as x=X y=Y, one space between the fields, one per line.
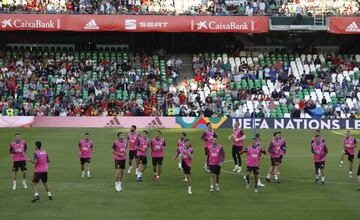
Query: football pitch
x=297 y=197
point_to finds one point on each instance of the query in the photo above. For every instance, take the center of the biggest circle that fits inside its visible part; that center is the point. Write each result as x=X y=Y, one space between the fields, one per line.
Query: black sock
x=248 y=179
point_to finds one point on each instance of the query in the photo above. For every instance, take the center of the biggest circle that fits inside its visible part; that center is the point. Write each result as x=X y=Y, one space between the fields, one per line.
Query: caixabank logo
x=217 y=25
x=9 y=23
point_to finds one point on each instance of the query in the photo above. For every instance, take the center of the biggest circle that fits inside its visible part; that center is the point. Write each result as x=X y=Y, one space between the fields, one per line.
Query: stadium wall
x=176 y=122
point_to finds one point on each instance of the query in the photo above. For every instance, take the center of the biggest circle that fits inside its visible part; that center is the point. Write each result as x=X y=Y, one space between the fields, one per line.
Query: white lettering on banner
x=278 y=124
x=335 y=124
x=325 y=124
x=264 y=125
x=289 y=125
x=247 y=123
x=298 y=121
x=152 y=24
x=316 y=122
x=35 y=24
x=232 y=25
x=357 y=124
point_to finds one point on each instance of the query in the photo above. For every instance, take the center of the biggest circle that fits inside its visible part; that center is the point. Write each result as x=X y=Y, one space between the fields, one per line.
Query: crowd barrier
x=176 y=122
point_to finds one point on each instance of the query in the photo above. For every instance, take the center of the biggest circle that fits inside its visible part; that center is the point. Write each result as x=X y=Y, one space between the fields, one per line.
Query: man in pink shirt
x=320 y=151
x=85 y=151
x=253 y=157
x=133 y=139
x=216 y=156
x=349 y=144
x=18 y=150
x=119 y=152
x=157 y=153
x=41 y=160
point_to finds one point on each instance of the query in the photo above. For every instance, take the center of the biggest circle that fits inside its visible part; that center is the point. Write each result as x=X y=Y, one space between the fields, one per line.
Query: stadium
x=159 y=109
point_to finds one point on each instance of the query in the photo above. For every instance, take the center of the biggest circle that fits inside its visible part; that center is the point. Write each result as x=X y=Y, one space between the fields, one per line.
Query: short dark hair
x=275 y=133
x=318 y=130
x=145 y=132
x=257 y=135
x=317 y=136
x=187 y=140
x=38 y=144
x=158 y=132
x=207 y=124
x=17 y=134
x=254 y=139
x=86 y=133
x=183 y=133
x=119 y=133
x=133 y=126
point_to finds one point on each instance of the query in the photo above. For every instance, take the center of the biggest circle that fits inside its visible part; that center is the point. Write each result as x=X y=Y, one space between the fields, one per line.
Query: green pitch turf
x=297 y=197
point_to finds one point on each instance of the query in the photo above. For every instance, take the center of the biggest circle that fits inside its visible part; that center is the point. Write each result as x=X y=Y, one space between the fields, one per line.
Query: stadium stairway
x=186 y=69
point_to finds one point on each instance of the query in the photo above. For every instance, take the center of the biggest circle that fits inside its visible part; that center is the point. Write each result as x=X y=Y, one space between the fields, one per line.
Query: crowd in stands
x=189 y=7
x=234 y=83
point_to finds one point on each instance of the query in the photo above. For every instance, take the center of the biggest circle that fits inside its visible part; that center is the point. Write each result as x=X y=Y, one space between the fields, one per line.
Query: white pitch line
x=298 y=180
x=338 y=133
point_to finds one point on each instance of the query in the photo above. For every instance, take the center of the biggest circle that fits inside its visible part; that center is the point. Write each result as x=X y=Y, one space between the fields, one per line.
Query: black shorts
x=350 y=157
x=40 y=176
x=275 y=161
x=157 y=161
x=120 y=164
x=281 y=158
x=319 y=165
x=215 y=169
x=19 y=164
x=186 y=168
x=143 y=160
x=236 y=149
x=85 y=160
x=254 y=170
x=206 y=150
x=132 y=154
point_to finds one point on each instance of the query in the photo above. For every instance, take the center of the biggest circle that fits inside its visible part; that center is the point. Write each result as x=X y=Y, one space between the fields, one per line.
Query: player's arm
x=270 y=147
x=244 y=151
x=92 y=147
x=222 y=155
x=35 y=159
x=263 y=151
x=47 y=157
x=283 y=146
x=203 y=136
x=25 y=148
x=176 y=154
x=164 y=145
x=243 y=136
x=325 y=149
x=114 y=149
x=11 y=150
x=311 y=149
x=355 y=143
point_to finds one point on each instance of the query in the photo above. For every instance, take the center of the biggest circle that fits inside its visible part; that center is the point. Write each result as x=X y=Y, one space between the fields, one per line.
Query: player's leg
x=154 y=164
x=317 y=172
x=189 y=182
x=277 y=173
x=342 y=158
x=23 y=171
x=121 y=176
x=247 y=177
x=88 y=168
x=131 y=157
x=34 y=183
x=184 y=167
x=218 y=169
x=44 y=179
x=206 y=164
x=137 y=159
x=160 y=162
x=351 y=161
x=239 y=159
x=235 y=158
x=212 y=177
x=179 y=163
x=82 y=165
x=322 y=168
x=14 y=176
x=117 y=175
x=256 y=175
x=271 y=170
x=358 y=176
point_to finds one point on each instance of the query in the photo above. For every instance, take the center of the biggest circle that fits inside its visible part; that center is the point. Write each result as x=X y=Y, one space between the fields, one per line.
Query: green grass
x=297 y=197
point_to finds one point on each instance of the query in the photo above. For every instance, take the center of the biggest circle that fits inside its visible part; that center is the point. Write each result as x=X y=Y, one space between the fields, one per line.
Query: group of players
x=136 y=145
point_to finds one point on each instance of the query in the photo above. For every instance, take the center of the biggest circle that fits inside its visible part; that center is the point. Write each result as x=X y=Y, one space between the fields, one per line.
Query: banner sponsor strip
x=344 y=25
x=133 y=23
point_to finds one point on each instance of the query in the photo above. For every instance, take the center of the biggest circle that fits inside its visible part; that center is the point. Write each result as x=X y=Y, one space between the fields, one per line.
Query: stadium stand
x=197 y=7
x=63 y=82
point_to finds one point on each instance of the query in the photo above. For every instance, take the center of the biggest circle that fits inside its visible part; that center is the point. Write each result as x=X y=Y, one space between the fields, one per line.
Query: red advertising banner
x=344 y=25
x=133 y=23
